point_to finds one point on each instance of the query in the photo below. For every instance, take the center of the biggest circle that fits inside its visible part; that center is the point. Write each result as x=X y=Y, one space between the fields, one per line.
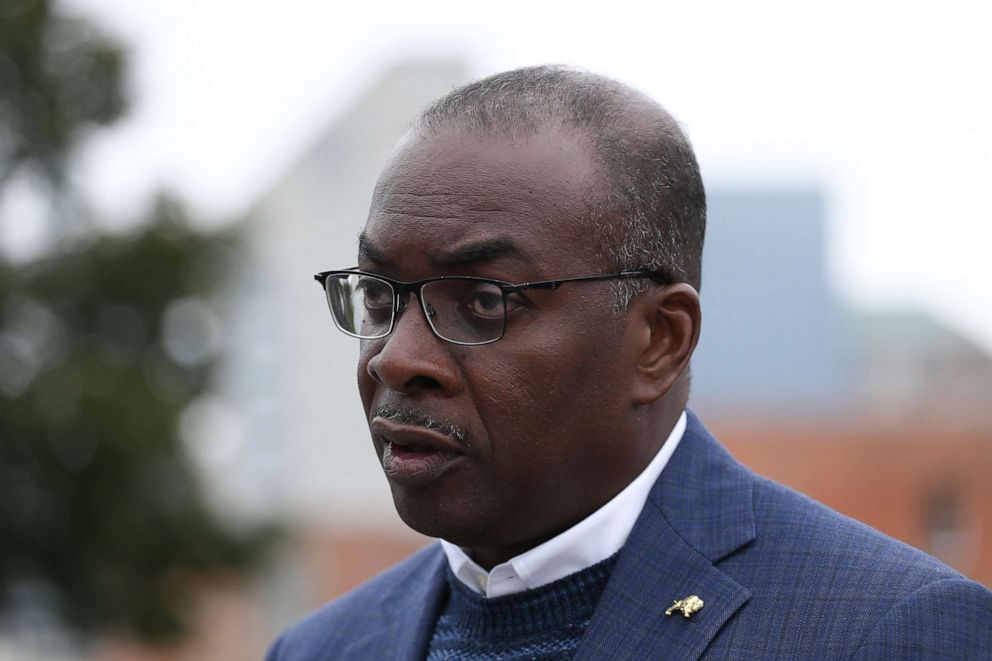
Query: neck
x=489 y=557
x=657 y=425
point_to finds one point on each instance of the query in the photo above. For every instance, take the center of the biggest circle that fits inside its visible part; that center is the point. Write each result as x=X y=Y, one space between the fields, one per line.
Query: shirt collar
x=592 y=540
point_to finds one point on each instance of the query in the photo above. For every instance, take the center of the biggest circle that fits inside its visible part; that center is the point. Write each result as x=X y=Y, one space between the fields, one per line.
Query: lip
x=414 y=456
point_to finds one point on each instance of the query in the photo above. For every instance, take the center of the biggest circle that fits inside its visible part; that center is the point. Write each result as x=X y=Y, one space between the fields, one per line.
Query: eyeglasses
x=459 y=309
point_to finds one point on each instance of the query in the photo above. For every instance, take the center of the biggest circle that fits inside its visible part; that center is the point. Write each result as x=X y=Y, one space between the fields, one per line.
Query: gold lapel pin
x=688 y=606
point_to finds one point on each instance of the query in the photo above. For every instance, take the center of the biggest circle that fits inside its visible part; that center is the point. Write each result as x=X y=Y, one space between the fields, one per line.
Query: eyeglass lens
x=458 y=309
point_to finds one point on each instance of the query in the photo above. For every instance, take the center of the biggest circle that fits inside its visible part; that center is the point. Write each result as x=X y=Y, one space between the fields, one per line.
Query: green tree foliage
x=58 y=76
x=103 y=343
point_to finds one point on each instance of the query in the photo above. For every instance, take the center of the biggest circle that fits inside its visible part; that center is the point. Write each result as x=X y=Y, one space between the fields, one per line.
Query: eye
x=376 y=294
x=484 y=300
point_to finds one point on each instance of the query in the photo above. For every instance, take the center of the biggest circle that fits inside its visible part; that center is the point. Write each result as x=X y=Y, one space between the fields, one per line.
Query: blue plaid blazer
x=781 y=576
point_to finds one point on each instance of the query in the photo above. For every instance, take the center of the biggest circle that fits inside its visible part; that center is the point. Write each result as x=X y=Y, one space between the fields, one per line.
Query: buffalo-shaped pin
x=687 y=606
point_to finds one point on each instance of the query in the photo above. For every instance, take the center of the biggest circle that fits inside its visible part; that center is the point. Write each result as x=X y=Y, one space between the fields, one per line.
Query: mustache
x=459 y=434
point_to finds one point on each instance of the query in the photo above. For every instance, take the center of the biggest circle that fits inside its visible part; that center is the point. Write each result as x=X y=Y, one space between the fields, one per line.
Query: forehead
x=453 y=195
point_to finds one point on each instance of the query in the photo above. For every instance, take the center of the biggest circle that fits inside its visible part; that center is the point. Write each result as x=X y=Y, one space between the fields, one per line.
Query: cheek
x=544 y=401
x=366 y=384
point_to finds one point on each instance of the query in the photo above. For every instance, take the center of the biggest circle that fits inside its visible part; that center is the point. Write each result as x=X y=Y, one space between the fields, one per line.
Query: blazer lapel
x=699 y=511
x=409 y=611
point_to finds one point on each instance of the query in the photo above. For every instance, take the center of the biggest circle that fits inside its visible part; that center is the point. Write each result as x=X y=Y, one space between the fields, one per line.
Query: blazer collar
x=705 y=495
x=699 y=511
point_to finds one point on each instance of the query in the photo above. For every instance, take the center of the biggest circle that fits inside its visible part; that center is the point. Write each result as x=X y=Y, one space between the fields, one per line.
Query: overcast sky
x=887 y=106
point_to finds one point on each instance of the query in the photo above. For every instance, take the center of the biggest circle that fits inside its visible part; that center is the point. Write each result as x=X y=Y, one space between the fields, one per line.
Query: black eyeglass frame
x=415 y=287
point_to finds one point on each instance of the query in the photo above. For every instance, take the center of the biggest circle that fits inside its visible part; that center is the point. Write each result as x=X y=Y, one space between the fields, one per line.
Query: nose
x=412 y=359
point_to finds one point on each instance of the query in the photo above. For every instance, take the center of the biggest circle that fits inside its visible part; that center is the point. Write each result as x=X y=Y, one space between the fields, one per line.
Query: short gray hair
x=651 y=212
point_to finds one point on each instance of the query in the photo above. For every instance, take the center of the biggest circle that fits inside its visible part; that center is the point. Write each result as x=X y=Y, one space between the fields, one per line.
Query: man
x=526 y=298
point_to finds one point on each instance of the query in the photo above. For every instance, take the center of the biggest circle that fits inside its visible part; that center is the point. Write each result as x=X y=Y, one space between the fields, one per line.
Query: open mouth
x=411 y=449
x=415 y=464
x=413 y=455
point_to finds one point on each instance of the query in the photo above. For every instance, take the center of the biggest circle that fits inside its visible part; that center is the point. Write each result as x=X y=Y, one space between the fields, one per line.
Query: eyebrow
x=368 y=251
x=480 y=252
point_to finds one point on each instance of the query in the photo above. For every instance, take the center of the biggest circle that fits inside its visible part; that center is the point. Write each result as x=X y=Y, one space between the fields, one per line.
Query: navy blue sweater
x=544 y=623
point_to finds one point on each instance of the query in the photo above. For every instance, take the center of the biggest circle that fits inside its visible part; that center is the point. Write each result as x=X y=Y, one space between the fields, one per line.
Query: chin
x=431 y=517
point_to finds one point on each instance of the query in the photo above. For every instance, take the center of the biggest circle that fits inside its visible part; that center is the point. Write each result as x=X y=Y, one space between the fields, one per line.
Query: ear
x=667 y=322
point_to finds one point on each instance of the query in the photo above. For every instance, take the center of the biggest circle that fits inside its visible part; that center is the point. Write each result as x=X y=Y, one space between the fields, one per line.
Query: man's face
x=501 y=446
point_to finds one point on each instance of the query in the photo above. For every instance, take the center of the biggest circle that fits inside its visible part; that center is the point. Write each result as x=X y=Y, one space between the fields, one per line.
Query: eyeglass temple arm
x=555 y=284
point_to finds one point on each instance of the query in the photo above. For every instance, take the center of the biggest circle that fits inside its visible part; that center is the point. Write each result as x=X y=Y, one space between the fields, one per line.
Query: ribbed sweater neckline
x=562 y=603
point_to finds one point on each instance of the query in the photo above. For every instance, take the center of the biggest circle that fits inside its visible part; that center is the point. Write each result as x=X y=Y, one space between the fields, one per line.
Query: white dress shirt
x=591 y=540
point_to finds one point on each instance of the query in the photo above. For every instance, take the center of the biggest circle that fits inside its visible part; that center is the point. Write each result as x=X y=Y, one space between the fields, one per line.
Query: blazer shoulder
x=793 y=522
x=354 y=614
x=798 y=540
x=841 y=587
x=946 y=619
x=818 y=583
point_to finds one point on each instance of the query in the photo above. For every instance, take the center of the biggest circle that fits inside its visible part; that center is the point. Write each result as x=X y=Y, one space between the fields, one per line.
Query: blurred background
x=184 y=466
